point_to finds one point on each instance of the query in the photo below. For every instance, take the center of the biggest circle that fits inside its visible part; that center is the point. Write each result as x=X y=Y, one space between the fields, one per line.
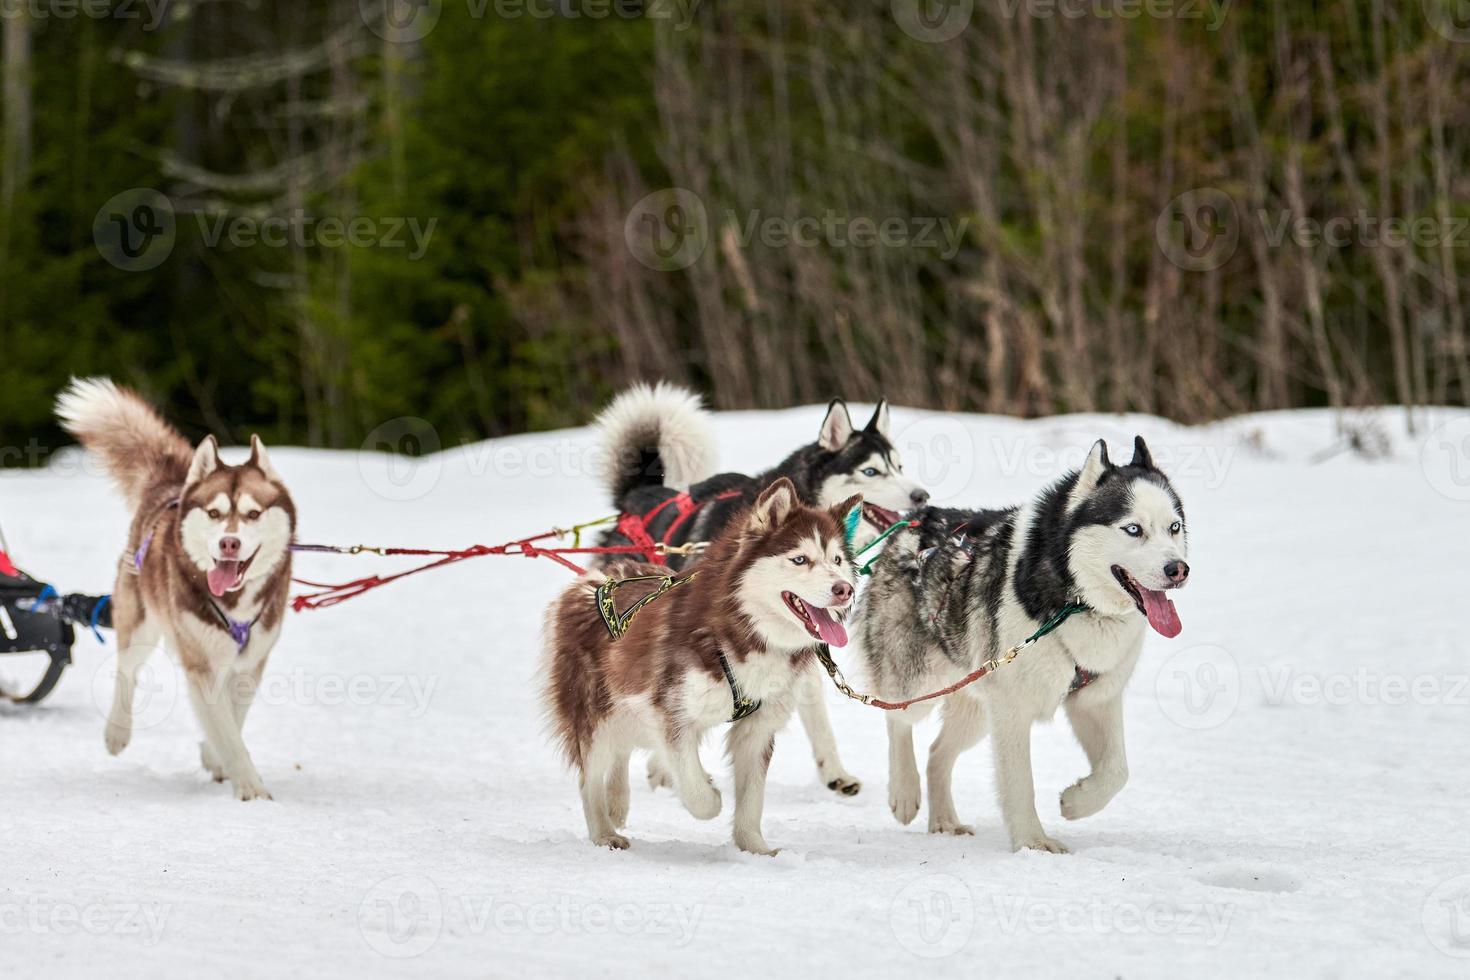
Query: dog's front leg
x=242 y=695
x=1011 y=735
x=812 y=707
x=904 y=793
x=1099 y=727
x=696 y=791
x=211 y=695
x=750 y=743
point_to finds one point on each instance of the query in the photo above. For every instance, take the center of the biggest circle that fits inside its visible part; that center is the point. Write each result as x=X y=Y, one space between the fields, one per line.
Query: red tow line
x=330 y=595
x=632 y=526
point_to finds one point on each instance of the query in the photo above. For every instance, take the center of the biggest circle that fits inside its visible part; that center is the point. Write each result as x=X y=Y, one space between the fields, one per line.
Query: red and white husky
x=774 y=583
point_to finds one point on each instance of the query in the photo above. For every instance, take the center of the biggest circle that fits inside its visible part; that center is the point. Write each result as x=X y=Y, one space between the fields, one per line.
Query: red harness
x=634 y=527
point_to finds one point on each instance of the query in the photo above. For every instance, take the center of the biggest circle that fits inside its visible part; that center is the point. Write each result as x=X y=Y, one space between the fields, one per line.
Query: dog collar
x=239 y=629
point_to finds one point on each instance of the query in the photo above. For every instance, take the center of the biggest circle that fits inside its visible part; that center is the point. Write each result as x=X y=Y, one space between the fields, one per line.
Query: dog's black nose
x=841 y=591
x=1176 y=571
x=229 y=547
x=919 y=497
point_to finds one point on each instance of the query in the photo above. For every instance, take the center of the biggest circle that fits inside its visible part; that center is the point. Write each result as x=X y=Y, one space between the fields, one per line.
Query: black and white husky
x=965 y=585
x=659 y=461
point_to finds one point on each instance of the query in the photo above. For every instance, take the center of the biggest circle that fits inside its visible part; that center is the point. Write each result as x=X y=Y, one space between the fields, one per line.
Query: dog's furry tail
x=136 y=445
x=655 y=435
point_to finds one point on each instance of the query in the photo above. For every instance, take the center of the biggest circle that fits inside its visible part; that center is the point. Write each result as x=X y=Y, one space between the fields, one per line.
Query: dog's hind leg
x=1099 y=727
x=750 y=743
x=963 y=726
x=617 y=787
x=659 y=776
x=135 y=644
x=696 y=790
x=812 y=707
x=904 y=792
x=598 y=759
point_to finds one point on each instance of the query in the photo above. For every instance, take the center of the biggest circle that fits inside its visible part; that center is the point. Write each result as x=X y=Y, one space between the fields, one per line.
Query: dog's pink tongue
x=1161 y=613
x=833 y=633
x=223 y=576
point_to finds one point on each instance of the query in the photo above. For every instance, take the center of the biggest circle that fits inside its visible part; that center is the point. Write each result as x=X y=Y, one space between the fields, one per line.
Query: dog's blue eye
x=1133 y=530
x=869 y=471
x=799 y=560
x=1176 y=527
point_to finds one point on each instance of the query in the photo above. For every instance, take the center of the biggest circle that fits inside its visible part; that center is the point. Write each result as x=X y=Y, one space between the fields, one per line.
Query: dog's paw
x=1039 y=842
x=210 y=764
x=844 y=784
x=950 y=825
x=904 y=800
x=116 y=737
x=1083 y=799
x=251 y=789
x=615 y=842
x=703 y=802
x=658 y=776
x=756 y=845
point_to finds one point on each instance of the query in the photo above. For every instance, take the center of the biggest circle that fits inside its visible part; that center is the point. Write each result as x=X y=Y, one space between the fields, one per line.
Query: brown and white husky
x=207 y=567
x=776 y=581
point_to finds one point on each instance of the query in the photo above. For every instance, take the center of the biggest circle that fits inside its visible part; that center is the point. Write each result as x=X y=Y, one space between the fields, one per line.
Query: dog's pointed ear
x=1096 y=467
x=205 y=461
x=261 y=461
x=1141 y=455
x=879 y=422
x=849 y=511
x=774 y=505
x=836 y=427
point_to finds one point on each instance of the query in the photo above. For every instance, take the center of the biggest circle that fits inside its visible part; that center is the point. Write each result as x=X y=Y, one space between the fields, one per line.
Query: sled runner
x=34 y=618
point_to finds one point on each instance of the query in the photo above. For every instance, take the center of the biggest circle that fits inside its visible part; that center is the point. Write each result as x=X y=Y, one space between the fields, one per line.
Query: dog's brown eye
x=799 y=560
x=253 y=515
x=213 y=514
x=837 y=560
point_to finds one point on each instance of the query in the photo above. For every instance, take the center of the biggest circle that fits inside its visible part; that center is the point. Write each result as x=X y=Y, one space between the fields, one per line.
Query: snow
x=1297 y=804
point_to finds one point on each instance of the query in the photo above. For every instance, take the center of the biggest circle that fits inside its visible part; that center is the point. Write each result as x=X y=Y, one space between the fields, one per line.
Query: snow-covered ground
x=1298 y=803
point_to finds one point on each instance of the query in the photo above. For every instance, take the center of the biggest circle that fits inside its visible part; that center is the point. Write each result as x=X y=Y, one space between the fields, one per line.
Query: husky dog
x=207 y=567
x=966 y=585
x=657 y=442
x=776 y=581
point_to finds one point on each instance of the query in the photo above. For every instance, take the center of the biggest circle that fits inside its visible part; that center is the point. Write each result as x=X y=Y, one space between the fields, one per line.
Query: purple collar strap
x=239 y=629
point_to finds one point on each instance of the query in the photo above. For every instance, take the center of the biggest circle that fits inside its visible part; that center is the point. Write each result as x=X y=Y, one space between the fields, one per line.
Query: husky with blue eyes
x=964 y=586
x=659 y=455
